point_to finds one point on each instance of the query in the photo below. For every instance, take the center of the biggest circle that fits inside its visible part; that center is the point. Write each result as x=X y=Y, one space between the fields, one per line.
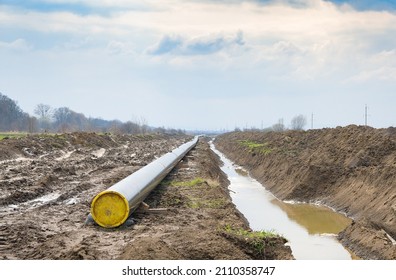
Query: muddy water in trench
x=310 y=229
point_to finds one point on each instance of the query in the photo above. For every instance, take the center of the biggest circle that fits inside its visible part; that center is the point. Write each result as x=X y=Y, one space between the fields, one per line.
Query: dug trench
x=47 y=183
x=192 y=217
x=350 y=169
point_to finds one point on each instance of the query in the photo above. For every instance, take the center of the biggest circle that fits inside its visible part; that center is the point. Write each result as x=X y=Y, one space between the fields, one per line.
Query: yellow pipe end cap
x=110 y=209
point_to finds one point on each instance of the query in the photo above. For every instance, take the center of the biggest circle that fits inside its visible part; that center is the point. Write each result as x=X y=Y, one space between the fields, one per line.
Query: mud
x=351 y=169
x=47 y=183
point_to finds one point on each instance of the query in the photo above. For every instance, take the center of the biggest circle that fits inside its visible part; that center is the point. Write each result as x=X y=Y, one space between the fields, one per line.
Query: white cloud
x=379 y=67
x=385 y=73
x=320 y=18
x=17 y=45
x=310 y=39
x=119 y=47
x=175 y=48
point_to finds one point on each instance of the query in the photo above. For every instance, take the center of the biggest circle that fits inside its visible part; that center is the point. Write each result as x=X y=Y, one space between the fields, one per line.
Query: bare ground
x=47 y=183
x=351 y=169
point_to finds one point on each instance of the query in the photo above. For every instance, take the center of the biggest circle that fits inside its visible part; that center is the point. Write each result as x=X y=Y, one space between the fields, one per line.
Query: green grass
x=250 y=234
x=253 y=147
x=257 y=240
x=24 y=134
x=191 y=183
x=12 y=135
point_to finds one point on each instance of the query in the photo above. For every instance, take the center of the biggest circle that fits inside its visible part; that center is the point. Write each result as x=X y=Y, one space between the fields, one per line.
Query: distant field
x=11 y=135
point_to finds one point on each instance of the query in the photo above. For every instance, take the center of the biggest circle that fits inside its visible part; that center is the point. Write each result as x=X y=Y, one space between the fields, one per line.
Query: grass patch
x=7 y=135
x=52 y=135
x=144 y=136
x=250 y=234
x=191 y=183
x=260 y=242
x=253 y=147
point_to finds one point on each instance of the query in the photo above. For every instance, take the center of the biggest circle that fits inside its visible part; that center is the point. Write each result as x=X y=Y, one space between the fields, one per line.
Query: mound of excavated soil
x=47 y=183
x=352 y=169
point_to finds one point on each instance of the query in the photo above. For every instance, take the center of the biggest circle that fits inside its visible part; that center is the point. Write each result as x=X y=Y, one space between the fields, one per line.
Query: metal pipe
x=112 y=207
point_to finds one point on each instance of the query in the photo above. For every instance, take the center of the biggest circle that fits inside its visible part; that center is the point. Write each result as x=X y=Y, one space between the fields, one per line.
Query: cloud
x=86 y=6
x=17 y=45
x=284 y=48
x=299 y=38
x=205 y=45
x=385 y=73
x=167 y=44
x=379 y=67
x=118 y=47
x=197 y=18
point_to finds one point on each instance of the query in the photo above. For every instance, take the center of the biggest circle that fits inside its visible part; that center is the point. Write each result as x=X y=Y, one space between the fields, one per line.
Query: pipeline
x=112 y=207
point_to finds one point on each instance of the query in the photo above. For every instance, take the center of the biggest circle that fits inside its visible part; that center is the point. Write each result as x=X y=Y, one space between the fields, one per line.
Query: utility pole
x=365 y=115
x=312 y=120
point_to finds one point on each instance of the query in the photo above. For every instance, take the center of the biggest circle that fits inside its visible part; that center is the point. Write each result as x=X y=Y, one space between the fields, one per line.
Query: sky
x=205 y=65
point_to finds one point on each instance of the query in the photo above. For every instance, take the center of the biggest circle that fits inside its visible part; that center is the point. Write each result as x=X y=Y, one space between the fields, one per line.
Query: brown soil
x=351 y=169
x=47 y=183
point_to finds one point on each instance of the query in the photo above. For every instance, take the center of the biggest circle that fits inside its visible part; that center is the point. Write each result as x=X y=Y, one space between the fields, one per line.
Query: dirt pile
x=351 y=169
x=47 y=183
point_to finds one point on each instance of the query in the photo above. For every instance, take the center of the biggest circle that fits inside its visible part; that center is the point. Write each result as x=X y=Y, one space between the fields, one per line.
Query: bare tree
x=279 y=126
x=62 y=118
x=115 y=127
x=160 y=130
x=144 y=128
x=130 y=128
x=44 y=114
x=298 y=122
x=43 y=111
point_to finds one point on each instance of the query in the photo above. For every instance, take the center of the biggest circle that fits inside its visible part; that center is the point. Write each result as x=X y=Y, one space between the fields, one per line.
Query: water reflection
x=316 y=219
x=310 y=229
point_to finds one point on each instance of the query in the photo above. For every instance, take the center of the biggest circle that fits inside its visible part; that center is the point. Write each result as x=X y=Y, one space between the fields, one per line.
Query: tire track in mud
x=46 y=199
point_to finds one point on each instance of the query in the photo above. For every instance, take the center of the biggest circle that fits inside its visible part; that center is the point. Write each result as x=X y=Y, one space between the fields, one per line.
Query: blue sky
x=203 y=64
x=366 y=5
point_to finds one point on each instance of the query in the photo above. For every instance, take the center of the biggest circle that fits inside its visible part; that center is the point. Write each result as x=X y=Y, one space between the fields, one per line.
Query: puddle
x=315 y=218
x=31 y=204
x=310 y=229
x=44 y=199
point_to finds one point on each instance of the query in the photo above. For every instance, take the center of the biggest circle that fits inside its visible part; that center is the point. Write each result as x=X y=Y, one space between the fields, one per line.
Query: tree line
x=63 y=119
